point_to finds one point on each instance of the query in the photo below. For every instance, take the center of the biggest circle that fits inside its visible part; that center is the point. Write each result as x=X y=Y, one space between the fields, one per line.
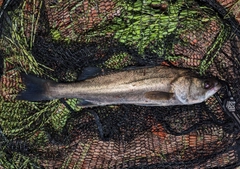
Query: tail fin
x=36 y=88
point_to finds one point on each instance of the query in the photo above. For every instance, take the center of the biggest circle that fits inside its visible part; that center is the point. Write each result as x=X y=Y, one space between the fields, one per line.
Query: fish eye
x=207 y=84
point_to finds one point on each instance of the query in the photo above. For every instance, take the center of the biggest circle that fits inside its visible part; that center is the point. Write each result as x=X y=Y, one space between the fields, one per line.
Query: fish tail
x=37 y=89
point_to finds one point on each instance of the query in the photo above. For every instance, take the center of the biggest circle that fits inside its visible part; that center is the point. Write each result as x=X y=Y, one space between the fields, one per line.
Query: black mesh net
x=56 y=39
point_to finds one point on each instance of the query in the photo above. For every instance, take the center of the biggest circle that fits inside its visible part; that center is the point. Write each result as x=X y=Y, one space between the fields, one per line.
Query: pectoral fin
x=158 y=95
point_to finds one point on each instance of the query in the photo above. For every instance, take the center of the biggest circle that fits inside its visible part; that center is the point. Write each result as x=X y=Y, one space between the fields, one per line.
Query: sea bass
x=147 y=86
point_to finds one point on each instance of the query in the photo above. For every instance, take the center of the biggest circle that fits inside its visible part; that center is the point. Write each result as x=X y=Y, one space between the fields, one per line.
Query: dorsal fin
x=90 y=72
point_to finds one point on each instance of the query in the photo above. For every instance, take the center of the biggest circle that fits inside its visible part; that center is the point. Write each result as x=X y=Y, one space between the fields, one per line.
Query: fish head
x=192 y=90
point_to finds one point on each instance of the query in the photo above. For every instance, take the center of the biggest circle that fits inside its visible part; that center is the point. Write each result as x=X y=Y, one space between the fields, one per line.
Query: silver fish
x=148 y=86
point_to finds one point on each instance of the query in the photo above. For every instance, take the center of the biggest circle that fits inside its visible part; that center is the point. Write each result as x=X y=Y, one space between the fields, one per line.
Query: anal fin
x=84 y=103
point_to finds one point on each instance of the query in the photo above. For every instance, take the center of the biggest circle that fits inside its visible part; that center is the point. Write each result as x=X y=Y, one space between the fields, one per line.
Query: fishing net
x=56 y=39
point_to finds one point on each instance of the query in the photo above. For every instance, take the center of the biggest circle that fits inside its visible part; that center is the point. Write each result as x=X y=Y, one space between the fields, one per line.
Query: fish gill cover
x=56 y=39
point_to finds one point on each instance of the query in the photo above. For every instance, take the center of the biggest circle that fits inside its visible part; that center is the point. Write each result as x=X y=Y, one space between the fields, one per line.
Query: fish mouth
x=216 y=89
x=217 y=86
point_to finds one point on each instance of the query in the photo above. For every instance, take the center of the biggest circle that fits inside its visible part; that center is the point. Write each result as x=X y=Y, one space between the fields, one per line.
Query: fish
x=143 y=86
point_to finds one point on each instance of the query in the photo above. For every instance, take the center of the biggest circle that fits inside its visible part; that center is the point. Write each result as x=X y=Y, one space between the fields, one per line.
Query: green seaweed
x=19 y=39
x=214 y=49
x=140 y=25
x=118 y=61
x=59 y=116
x=18 y=161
